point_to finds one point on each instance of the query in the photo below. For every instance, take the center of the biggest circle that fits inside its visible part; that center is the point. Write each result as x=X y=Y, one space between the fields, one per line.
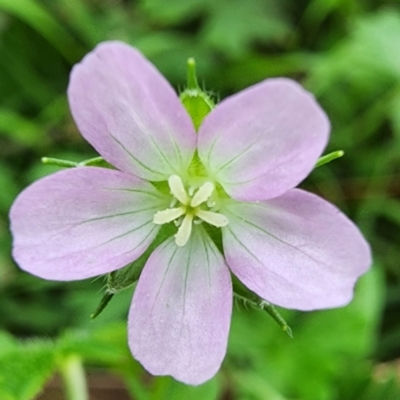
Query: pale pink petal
x=83 y=222
x=180 y=314
x=297 y=251
x=130 y=114
x=264 y=140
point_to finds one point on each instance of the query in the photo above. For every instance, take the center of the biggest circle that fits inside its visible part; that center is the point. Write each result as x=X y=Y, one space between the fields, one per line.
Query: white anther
x=202 y=195
x=212 y=218
x=184 y=231
x=168 y=215
x=177 y=189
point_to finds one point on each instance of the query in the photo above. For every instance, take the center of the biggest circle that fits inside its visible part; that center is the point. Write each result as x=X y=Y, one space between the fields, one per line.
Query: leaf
x=20 y=129
x=173 y=11
x=230 y=26
x=394 y=114
x=42 y=21
x=368 y=58
x=105 y=344
x=25 y=368
x=7 y=181
x=326 y=343
x=234 y=26
x=7 y=343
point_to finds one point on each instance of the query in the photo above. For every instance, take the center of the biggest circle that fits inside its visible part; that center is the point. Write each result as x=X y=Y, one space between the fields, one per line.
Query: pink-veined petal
x=264 y=140
x=180 y=314
x=83 y=222
x=297 y=251
x=130 y=114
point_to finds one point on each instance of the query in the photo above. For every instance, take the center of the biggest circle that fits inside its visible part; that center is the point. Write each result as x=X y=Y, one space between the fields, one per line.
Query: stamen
x=202 y=194
x=213 y=218
x=184 y=231
x=177 y=189
x=210 y=203
x=168 y=215
x=178 y=221
x=173 y=202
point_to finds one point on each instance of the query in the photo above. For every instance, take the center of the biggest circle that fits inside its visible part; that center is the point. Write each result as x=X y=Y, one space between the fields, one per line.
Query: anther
x=213 y=218
x=177 y=189
x=202 y=195
x=184 y=231
x=168 y=215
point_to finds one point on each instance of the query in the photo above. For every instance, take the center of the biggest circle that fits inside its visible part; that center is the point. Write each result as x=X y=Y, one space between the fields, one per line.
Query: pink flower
x=237 y=174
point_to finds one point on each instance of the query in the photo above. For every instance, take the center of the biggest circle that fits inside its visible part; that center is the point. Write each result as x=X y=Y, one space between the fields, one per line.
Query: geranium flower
x=236 y=174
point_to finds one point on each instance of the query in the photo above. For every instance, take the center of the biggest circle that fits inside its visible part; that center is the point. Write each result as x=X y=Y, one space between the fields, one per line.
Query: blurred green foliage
x=347 y=52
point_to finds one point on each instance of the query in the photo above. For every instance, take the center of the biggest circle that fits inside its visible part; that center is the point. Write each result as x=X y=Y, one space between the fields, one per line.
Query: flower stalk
x=73 y=375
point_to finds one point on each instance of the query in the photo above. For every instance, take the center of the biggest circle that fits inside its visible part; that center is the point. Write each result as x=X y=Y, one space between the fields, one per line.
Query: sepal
x=91 y=162
x=197 y=102
x=329 y=157
x=247 y=298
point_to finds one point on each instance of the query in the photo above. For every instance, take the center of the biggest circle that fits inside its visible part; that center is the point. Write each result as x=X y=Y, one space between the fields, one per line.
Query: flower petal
x=296 y=251
x=181 y=309
x=264 y=140
x=83 y=222
x=130 y=114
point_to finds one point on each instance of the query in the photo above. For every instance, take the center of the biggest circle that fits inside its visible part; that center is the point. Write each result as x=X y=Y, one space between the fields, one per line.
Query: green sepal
x=128 y=276
x=248 y=298
x=329 y=157
x=197 y=102
x=107 y=296
x=91 y=162
x=58 y=162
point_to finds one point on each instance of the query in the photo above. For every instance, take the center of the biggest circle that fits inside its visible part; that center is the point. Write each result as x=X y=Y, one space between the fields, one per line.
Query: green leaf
x=235 y=25
x=7 y=343
x=394 y=114
x=173 y=11
x=19 y=128
x=326 y=344
x=230 y=26
x=42 y=21
x=7 y=181
x=25 y=368
x=105 y=344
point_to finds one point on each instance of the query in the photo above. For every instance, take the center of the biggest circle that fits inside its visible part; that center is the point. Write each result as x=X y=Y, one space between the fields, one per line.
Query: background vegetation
x=347 y=52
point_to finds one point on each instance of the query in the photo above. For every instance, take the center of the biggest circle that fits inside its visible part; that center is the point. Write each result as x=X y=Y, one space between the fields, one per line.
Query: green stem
x=73 y=375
